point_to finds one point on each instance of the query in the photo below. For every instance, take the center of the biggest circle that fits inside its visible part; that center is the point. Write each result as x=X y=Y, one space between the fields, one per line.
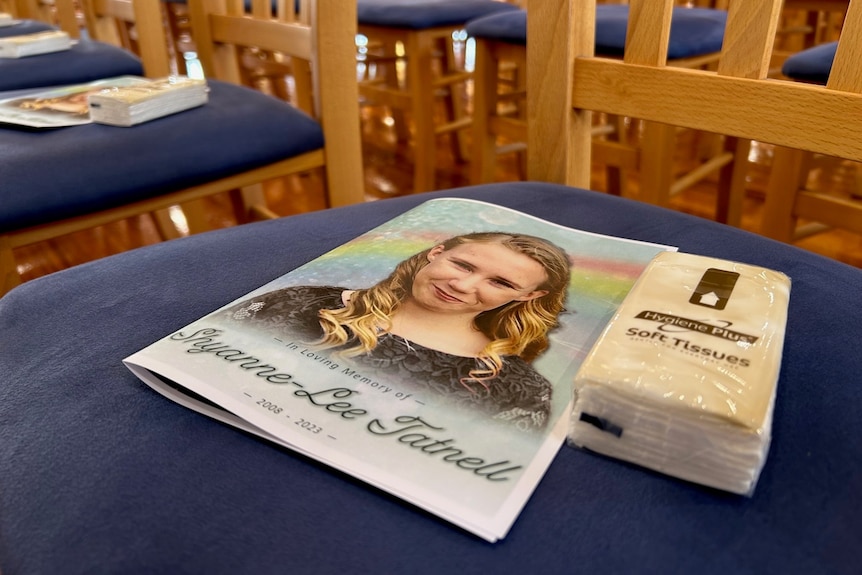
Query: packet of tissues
x=34 y=44
x=131 y=105
x=683 y=378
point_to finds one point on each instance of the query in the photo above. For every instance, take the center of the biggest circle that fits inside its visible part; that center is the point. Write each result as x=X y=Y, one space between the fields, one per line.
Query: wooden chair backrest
x=319 y=38
x=136 y=25
x=566 y=82
x=223 y=27
x=60 y=13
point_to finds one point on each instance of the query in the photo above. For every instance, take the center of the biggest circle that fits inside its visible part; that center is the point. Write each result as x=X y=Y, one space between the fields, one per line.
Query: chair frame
x=220 y=27
x=790 y=114
x=419 y=97
x=652 y=158
x=109 y=21
x=59 y=13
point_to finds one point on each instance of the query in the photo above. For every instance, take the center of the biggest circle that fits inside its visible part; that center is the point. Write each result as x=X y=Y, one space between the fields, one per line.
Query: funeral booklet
x=352 y=358
x=58 y=107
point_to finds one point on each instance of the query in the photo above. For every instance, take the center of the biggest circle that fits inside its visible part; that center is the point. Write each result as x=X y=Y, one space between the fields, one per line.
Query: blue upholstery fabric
x=422 y=14
x=25 y=27
x=694 y=31
x=83 y=62
x=811 y=65
x=95 y=166
x=100 y=474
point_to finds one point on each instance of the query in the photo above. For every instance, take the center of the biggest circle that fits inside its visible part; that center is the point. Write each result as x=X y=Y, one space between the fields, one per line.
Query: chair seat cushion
x=811 y=65
x=422 y=14
x=96 y=166
x=694 y=31
x=25 y=27
x=85 y=61
x=100 y=474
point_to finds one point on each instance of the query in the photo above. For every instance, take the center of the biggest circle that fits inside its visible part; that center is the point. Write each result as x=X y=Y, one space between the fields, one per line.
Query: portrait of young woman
x=462 y=320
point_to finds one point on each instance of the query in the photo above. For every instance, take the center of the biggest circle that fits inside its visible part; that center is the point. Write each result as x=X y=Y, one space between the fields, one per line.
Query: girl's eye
x=504 y=284
x=462 y=265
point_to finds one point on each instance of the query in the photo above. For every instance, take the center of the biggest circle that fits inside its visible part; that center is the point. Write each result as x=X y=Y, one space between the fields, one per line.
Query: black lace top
x=518 y=394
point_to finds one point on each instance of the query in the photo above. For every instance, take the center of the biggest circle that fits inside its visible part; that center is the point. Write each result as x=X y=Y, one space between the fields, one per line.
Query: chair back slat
x=290 y=39
x=749 y=38
x=109 y=21
x=553 y=132
x=319 y=44
x=738 y=102
x=648 y=32
x=845 y=75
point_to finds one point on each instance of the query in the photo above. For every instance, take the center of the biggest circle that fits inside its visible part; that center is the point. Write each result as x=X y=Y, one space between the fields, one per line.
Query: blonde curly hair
x=518 y=328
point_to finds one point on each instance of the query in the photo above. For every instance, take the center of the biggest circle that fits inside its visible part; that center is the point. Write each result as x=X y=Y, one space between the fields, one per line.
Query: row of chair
x=423 y=40
x=96 y=174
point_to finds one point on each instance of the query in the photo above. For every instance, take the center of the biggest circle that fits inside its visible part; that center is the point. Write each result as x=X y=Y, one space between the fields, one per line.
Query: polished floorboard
x=388 y=173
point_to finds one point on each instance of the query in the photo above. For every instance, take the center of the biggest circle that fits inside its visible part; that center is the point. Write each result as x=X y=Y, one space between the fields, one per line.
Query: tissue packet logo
x=714 y=288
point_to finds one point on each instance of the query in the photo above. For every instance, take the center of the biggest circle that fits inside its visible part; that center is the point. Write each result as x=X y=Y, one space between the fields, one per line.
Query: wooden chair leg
x=519 y=83
x=9 y=277
x=421 y=86
x=453 y=98
x=615 y=176
x=387 y=68
x=731 y=182
x=656 y=172
x=165 y=224
x=483 y=155
x=785 y=179
x=249 y=204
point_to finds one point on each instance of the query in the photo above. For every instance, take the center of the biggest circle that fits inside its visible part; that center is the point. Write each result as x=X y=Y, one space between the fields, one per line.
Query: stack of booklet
x=6 y=19
x=130 y=105
x=683 y=378
x=33 y=44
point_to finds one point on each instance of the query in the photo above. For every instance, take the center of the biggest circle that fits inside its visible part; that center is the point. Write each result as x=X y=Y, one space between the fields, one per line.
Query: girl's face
x=475 y=277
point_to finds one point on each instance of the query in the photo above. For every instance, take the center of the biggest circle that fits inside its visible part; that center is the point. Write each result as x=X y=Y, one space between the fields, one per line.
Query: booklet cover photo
x=432 y=357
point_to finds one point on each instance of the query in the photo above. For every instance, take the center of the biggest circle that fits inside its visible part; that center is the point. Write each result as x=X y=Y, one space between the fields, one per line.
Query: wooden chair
x=736 y=100
x=805 y=24
x=501 y=44
x=122 y=22
x=239 y=138
x=85 y=61
x=223 y=31
x=418 y=35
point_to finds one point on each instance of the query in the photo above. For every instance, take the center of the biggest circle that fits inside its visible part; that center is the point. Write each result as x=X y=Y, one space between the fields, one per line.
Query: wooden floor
x=388 y=169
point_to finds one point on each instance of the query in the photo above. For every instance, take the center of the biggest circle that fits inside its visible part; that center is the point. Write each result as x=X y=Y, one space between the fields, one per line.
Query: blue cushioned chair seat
x=811 y=65
x=83 y=62
x=508 y=27
x=693 y=32
x=52 y=174
x=25 y=27
x=422 y=14
x=100 y=474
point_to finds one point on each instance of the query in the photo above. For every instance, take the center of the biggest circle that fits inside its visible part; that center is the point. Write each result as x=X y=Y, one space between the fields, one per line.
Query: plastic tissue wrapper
x=683 y=378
